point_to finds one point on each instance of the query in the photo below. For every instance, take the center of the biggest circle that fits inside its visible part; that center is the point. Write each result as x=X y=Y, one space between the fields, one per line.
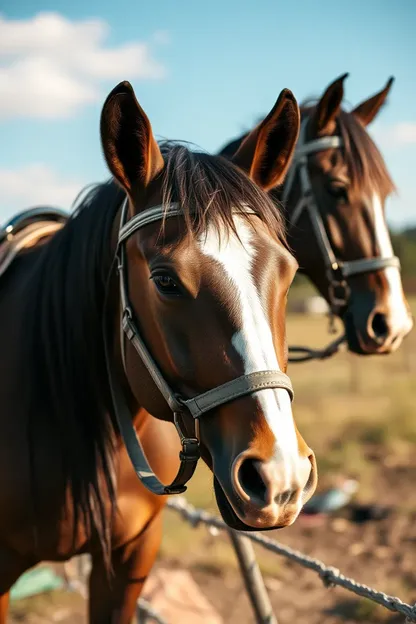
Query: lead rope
x=305 y=354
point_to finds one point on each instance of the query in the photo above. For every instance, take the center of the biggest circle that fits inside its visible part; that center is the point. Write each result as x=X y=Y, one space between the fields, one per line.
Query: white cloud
x=399 y=134
x=32 y=185
x=51 y=66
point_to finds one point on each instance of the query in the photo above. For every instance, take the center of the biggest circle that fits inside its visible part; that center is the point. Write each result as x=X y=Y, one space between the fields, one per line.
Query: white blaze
x=398 y=316
x=254 y=341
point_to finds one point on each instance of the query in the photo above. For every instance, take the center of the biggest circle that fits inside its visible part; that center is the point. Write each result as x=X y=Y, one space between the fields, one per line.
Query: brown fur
x=365 y=166
x=66 y=483
x=359 y=169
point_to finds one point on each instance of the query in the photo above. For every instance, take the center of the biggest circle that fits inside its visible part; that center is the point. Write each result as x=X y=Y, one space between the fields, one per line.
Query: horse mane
x=209 y=189
x=365 y=164
x=65 y=357
x=66 y=363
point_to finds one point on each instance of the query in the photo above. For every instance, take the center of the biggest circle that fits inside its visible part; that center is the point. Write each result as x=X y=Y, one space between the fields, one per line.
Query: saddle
x=26 y=230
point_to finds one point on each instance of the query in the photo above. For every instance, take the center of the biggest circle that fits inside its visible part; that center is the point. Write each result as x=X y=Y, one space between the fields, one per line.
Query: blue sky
x=202 y=71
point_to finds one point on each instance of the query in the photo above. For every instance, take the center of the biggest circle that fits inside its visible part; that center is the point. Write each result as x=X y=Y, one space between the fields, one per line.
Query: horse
x=333 y=197
x=153 y=311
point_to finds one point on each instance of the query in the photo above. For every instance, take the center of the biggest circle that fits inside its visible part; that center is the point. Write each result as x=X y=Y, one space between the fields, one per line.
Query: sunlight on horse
x=170 y=300
x=334 y=197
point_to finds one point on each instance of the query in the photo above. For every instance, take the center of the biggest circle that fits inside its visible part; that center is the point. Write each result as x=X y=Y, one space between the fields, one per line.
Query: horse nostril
x=379 y=326
x=310 y=485
x=265 y=483
x=251 y=481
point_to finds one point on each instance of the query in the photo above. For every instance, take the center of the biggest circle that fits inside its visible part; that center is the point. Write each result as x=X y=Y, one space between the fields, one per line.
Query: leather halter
x=338 y=271
x=196 y=406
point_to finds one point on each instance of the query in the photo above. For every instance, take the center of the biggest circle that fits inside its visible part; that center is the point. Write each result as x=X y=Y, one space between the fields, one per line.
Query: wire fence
x=330 y=576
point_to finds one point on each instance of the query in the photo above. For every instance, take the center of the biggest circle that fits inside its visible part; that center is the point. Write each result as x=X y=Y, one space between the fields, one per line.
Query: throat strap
x=188 y=456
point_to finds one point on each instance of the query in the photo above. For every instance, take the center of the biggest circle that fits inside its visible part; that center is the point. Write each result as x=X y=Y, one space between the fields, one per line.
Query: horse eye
x=166 y=284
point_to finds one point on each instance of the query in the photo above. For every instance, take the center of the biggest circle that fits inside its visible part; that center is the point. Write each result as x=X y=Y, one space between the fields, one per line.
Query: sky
x=203 y=71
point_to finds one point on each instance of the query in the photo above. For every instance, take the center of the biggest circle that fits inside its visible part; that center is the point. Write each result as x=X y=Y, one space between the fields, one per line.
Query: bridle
x=337 y=271
x=195 y=407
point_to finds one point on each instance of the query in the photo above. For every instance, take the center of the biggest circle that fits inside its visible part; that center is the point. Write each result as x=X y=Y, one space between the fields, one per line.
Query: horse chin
x=228 y=514
x=354 y=347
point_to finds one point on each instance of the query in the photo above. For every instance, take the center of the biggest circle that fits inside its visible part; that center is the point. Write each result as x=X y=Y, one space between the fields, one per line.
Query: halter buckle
x=190 y=446
x=190 y=450
x=338 y=289
x=339 y=293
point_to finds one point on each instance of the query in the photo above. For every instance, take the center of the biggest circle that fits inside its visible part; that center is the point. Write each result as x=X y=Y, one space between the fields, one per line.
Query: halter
x=337 y=271
x=195 y=407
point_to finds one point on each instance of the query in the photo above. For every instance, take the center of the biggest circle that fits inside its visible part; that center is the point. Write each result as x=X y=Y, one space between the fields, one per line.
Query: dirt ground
x=378 y=553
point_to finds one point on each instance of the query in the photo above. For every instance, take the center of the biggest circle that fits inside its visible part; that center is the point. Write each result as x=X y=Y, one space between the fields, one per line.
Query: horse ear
x=266 y=153
x=130 y=149
x=368 y=109
x=328 y=107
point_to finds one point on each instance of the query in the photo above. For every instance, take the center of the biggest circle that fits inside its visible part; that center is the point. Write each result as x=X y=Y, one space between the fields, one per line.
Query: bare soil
x=378 y=553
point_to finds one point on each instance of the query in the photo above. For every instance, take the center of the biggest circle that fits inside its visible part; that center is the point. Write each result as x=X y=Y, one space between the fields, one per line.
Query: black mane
x=66 y=353
x=365 y=164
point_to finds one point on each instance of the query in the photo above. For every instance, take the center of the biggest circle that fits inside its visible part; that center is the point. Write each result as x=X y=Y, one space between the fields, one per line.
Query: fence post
x=253 y=579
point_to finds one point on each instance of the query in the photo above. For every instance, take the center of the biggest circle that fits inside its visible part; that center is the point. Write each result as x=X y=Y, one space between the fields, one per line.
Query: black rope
x=306 y=354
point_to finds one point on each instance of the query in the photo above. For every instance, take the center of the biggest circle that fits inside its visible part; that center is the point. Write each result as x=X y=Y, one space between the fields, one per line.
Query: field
x=359 y=416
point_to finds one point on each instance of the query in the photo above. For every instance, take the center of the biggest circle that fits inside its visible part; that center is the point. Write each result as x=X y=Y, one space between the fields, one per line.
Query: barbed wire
x=330 y=576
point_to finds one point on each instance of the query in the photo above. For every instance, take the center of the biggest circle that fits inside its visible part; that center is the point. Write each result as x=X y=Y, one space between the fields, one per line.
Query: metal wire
x=330 y=576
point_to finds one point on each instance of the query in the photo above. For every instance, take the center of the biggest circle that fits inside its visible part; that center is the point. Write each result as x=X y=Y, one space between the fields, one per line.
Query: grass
x=355 y=412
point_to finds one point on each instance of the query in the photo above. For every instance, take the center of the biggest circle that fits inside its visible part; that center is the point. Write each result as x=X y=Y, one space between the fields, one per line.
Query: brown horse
x=334 y=199
x=197 y=245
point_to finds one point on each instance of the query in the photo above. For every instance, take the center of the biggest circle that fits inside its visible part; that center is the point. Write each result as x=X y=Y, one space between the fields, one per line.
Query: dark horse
x=188 y=261
x=334 y=199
